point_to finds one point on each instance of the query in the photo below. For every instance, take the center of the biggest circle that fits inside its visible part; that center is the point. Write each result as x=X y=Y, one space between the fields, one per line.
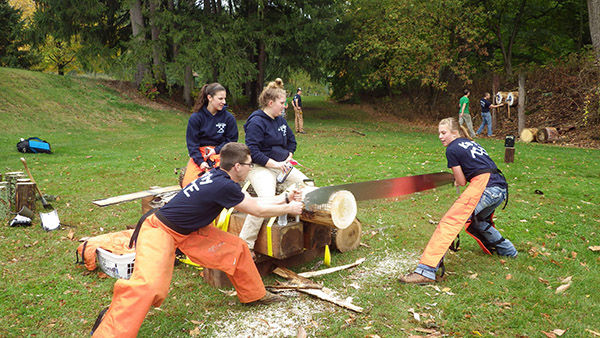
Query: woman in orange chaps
x=474 y=208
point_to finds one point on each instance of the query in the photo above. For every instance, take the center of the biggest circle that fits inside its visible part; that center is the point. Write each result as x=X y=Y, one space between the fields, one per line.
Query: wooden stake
x=509 y=155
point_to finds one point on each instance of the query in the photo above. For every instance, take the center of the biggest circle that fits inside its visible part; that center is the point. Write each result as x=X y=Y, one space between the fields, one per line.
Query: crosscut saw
x=388 y=188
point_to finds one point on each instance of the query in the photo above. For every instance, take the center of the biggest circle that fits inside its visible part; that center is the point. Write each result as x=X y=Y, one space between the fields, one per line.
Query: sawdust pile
x=284 y=319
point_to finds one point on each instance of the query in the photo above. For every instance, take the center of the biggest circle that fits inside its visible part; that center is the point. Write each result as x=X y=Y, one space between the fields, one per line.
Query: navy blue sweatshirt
x=204 y=129
x=268 y=138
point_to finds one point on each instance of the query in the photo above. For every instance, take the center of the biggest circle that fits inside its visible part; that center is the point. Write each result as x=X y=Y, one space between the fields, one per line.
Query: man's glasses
x=251 y=165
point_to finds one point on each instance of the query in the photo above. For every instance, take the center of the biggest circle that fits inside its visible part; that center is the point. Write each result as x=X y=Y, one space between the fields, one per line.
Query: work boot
x=98 y=320
x=268 y=298
x=415 y=278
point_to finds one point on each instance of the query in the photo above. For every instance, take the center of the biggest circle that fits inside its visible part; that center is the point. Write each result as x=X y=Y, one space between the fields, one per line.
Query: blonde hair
x=271 y=92
x=452 y=125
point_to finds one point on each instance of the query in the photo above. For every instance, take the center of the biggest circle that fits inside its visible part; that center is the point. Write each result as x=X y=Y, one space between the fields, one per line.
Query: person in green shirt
x=464 y=117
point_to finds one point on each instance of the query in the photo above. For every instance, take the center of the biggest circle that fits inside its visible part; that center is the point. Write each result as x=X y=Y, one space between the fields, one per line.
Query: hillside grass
x=106 y=145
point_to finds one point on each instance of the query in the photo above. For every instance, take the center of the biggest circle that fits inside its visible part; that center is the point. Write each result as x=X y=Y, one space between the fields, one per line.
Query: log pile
x=541 y=135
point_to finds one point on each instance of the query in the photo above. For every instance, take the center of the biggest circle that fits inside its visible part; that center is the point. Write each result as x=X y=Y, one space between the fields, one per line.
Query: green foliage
x=400 y=43
x=13 y=48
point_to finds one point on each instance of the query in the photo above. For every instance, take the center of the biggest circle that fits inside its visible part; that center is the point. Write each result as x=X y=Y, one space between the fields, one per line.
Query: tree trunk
x=260 y=65
x=158 y=68
x=188 y=84
x=521 y=107
x=594 y=17
x=137 y=28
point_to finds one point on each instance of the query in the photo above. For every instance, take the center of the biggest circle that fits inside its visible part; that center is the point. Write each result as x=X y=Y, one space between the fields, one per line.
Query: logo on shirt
x=283 y=129
x=221 y=127
x=194 y=186
x=476 y=149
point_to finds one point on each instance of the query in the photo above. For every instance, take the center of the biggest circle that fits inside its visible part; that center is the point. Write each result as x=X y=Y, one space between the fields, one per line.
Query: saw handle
x=44 y=202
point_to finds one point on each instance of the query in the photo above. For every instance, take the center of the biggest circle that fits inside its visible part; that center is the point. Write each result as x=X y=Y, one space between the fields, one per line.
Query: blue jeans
x=491 y=198
x=487 y=119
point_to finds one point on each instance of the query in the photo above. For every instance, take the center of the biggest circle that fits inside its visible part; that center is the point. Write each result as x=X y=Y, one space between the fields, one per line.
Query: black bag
x=34 y=145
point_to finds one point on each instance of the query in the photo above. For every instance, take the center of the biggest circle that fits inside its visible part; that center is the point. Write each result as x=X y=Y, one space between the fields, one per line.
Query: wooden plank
x=135 y=196
x=319 y=293
x=310 y=274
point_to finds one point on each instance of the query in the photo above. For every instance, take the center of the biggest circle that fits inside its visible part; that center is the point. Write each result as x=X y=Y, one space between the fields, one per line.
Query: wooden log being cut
x=286 y=240
x=347 y=239
x=528 y=134
x=25 y=195
x=548 y=134
x=339 y=212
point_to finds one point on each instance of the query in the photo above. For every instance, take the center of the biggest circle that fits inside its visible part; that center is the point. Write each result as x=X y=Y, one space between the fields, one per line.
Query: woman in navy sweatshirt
x=209 y=128
x=272 y=145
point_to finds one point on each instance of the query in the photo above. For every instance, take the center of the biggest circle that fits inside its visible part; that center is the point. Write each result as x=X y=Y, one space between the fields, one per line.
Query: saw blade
x=387 y=188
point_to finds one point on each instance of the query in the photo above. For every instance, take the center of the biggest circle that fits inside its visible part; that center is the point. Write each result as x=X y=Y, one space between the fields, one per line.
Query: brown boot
x=415 y=278
x=268 y=298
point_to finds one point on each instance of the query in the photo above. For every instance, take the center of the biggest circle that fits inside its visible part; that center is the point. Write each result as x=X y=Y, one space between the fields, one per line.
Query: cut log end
x=548 y=134
x=348 y=239
x=343 y=209
x=528 y=134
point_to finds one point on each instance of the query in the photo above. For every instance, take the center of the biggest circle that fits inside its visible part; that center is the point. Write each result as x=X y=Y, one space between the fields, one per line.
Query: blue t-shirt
x=268 y=137
x=201 y=201
x=206 y=129
x=298 y=99
x=485 y=105
x=471 y=157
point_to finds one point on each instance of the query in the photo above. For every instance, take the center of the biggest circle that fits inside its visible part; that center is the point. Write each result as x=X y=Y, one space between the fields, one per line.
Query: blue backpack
x=34 y=145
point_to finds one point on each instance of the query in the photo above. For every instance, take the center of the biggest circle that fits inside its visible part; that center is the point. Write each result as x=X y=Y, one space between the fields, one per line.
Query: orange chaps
x=153 y=270
x=193 y=170
x=453 y=221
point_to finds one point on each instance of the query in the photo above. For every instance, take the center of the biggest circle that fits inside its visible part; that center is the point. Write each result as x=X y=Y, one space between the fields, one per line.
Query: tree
x=13 y=51
x=594 y=15
x=405 y=43
x=534 y=31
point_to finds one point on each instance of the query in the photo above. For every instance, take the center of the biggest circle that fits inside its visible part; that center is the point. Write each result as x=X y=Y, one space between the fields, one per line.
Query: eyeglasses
x=251 y=165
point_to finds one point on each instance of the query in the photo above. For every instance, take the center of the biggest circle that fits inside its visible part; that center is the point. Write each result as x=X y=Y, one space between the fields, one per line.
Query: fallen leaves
x=565 y=284
x=594 y=248
x=597 y=334
x=554 y=333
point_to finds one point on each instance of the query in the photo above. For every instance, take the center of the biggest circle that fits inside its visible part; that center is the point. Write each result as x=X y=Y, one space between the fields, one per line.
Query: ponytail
x=207 y=89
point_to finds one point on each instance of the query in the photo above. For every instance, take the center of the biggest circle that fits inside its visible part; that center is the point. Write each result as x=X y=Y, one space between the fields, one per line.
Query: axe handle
x=44 y=202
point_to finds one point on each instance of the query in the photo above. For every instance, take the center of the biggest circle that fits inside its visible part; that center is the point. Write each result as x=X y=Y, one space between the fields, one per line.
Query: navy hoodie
x=204 y=129
x=268 y=138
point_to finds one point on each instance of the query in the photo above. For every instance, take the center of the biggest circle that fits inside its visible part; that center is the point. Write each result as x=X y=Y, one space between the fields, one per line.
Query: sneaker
x=415 y=278
x=98 y=320
x=268 y=298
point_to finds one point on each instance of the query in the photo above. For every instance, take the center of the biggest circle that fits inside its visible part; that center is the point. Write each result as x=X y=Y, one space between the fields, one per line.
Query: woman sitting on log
x=208 y=130
x=272 y=145
x=474 y=208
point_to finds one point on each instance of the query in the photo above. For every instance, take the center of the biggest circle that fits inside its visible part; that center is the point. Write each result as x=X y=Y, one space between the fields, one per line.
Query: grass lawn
x=106 y=145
